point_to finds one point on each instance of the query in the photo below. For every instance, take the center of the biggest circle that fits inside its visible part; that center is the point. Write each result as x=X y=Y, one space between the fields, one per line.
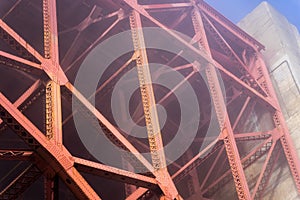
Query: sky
x=235 y=10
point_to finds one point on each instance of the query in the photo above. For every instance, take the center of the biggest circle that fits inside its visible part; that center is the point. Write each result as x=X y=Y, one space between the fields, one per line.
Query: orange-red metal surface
x=226 y=54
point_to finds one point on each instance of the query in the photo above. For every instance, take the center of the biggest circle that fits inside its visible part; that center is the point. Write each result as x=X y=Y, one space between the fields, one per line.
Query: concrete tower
x=282 y=56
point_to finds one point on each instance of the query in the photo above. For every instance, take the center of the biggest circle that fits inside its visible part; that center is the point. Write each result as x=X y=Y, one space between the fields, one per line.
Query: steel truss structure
x=39 y=60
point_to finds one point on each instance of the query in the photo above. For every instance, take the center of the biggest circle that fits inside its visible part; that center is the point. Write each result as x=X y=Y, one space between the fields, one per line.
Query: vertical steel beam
x=150 y=112
x=285 y=139
x=53 y=112
x=53 y=95
x=220 y=108
x=50 y=31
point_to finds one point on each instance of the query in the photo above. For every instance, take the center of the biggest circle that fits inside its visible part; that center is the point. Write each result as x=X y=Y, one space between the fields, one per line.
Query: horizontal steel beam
x=14 y=154
x=167 y=5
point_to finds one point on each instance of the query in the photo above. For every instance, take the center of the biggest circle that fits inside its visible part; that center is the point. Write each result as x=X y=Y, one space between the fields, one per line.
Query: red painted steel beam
x=29 y=95
x=137 y=194
x=47 y=66
x=178 y=20
x=109 y=126
x=263 y=170
x=243 y=36
x=51 y=62
x=51 y=50
x=239 y=83
x=222 y=57
x=142 y=11
x=84 y=24
x=57 y=156
x=11 y=9
x=167 y=5
x=197 y=161
x=286 y=140
x=193 y=179
x=23 y=69
x=51 y=187
x=113 y=173
x=102 y=86
x=20 y=60
x=15 y=154
x=121 y=16
x=192 y=161
x=146 y=147
x=289 y=154
x=165 y=97
x=235 y=163
x=211 y=169
x=233 y=55
x=21 y=41
x=246 y=136
x=237 y=171
x=261 y=135
x=54 y=70
x=228 y=25
x=268 y=173
x=237 y=120
x=184 y=170
x=26 y=94
x=252 y=92
x=28 y=176
x=91 y=113
x=156 y=146
x=252 y=156
x=21 y=183
x=77 y=40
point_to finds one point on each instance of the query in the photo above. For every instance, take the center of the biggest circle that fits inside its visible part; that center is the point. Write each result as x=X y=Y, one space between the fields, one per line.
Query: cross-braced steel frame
x=225 y=49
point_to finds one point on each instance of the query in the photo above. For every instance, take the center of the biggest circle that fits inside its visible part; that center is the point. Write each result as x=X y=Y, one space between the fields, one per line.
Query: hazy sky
x=235 y=10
